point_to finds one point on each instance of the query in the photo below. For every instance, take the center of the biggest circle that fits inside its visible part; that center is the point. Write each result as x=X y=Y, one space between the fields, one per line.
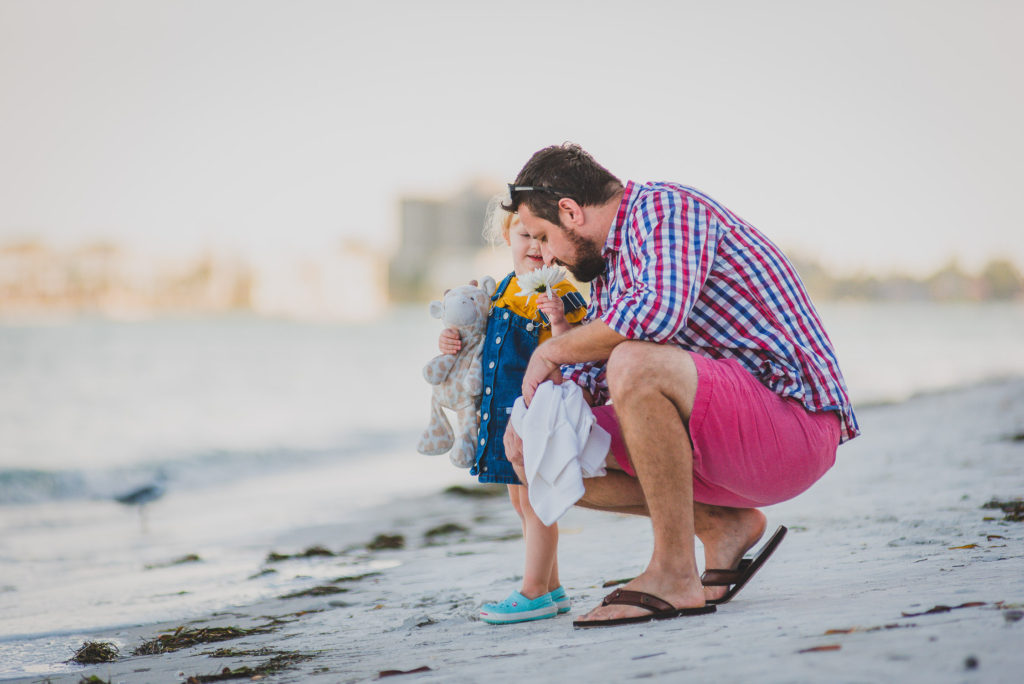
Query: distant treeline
x=999 y=279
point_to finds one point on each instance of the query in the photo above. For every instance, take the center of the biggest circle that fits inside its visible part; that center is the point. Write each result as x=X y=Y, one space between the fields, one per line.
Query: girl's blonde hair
x=498 y=222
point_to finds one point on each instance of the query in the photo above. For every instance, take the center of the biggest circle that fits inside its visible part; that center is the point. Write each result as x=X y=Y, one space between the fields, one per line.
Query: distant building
x=439 y=243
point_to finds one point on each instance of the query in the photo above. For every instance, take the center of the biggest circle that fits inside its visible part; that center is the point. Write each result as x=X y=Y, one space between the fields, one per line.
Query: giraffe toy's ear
x=488 y=285
x=436 y=309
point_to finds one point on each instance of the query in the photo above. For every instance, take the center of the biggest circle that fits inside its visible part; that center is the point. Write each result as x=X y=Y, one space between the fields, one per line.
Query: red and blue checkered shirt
x=682 y=269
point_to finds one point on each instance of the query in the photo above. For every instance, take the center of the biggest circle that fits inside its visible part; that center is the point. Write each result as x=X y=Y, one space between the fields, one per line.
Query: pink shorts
x=751 y=447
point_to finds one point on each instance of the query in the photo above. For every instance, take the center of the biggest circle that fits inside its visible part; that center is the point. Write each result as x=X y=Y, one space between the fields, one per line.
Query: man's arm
x=591 y=342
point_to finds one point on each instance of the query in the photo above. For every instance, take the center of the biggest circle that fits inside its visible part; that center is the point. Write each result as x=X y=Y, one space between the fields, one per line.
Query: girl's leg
x=514 y=492
x=541 y=567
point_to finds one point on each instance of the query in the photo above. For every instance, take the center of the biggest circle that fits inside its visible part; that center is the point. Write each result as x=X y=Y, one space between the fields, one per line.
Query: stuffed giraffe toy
x=457 y=379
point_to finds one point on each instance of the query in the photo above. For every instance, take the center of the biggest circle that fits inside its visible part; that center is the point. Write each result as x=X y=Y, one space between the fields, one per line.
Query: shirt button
x=505 y=316
x=490 y=365
x=485 y=416
x=497 y=340
x=487 y=390
x=482 y=442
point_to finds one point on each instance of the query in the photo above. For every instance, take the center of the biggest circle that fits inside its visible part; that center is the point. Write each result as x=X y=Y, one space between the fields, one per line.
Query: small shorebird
x=140 y=496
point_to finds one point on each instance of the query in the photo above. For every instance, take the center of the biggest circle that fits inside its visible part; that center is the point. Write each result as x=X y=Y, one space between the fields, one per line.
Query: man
x=723 y=382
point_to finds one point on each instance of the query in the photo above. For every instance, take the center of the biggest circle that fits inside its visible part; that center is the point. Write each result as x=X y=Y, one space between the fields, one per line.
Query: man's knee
x=647 y=366
x=629 y=365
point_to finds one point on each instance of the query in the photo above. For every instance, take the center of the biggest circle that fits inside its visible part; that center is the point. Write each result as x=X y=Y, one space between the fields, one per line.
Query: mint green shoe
x=561 y=600
x=518 y=608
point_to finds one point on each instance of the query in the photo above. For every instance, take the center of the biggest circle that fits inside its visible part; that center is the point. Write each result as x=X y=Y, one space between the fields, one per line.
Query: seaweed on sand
x=354 y=578
x=1013 y=509
x=311 y=552
x=93 y=652
x=190 y=558
x=279 y=663
x=387 y=541
x=184 y=638
x=481 y=491
x=235 y=653
x=278 y=620
x=315 y=591
x=447 y=528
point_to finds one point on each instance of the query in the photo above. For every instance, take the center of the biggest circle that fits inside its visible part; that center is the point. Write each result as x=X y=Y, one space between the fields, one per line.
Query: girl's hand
x=554 y=309
x=449 y=342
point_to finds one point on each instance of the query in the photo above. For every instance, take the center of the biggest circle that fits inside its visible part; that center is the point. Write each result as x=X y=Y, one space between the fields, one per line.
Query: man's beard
x=589 y=263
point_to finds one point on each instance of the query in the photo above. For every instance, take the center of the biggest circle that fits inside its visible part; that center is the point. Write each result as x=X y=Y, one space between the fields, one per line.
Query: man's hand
x=537 y=371
x=514 y=452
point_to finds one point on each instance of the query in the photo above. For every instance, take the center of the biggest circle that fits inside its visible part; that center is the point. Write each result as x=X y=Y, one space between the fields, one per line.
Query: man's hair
x=569 y=172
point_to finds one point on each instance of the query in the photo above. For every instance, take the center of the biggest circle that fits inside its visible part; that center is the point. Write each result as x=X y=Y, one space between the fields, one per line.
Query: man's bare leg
x=653 y=387
x=616 y=492
x=726 y=533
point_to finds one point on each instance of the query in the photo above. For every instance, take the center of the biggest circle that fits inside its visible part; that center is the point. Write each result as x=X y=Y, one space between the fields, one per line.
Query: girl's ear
x=489 y=286
x=436 y=309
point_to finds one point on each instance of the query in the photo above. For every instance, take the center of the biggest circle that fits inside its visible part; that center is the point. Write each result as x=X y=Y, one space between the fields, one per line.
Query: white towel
x=562 y=444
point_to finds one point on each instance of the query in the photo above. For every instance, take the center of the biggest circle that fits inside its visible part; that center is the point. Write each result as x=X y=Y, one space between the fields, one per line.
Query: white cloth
x=562 y=444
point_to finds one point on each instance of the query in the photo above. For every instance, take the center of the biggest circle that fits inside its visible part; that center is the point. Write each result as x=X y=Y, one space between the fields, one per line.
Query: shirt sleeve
x=669 y=246
x=575 y=304
x=591 y=377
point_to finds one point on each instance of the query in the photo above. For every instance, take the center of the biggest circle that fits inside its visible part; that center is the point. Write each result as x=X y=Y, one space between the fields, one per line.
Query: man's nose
x=546 y=254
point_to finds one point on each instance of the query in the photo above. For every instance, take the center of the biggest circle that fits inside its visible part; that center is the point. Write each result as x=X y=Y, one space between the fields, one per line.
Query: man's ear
x=436 y=309
x=570 y=211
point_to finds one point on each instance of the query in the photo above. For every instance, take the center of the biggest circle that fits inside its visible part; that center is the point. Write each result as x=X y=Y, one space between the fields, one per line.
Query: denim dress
x=508 y=344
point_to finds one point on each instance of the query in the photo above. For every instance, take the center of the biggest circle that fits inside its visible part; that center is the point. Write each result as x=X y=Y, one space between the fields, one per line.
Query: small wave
x=24 y=486
x=191 y=471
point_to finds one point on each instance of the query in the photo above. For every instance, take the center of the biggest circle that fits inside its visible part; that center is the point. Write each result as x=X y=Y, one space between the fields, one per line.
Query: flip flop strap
x=625 y=597
x=722 y=578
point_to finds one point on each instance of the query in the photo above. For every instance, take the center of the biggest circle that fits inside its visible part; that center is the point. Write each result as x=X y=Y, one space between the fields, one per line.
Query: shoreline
x=892 y=570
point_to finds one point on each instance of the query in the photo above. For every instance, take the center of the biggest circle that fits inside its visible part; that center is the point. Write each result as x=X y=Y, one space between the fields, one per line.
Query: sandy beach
x=894 y=570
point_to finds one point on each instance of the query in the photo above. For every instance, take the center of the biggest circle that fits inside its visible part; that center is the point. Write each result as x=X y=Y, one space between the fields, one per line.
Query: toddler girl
x=517 y=324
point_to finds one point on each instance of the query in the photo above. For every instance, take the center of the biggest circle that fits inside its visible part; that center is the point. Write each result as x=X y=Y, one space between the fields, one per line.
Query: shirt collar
x=615 y=236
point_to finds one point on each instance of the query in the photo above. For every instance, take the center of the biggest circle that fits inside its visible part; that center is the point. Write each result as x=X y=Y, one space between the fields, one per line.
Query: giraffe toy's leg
x=464 y=453
x=439 y=436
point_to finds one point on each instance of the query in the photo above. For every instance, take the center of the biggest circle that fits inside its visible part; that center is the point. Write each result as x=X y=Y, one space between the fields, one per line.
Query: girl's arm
x=449 y=342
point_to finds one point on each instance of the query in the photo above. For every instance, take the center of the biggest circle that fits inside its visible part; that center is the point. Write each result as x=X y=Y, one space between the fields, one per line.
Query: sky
x=872 y=135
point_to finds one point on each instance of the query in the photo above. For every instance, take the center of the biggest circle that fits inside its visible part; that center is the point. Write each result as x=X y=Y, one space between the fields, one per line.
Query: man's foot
x=727 y=534
x=668 y=587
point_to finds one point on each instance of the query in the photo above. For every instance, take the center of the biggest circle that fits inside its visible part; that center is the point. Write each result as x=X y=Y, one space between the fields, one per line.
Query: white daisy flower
x=540 y=281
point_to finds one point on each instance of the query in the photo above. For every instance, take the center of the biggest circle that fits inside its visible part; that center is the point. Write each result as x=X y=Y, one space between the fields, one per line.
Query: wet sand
x=893 y=571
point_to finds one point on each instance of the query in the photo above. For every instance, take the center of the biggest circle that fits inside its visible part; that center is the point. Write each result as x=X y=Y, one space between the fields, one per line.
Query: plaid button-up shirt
x=682 y=269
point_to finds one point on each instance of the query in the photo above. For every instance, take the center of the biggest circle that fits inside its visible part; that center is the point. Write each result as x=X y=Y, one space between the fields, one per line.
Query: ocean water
x=253 y=429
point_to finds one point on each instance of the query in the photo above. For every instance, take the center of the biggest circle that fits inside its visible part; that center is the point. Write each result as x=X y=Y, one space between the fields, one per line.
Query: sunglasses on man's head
x=513 y=189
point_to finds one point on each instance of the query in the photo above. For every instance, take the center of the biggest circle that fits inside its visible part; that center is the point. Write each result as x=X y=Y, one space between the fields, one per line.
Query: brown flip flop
x=659 y=609
x=736 y=579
